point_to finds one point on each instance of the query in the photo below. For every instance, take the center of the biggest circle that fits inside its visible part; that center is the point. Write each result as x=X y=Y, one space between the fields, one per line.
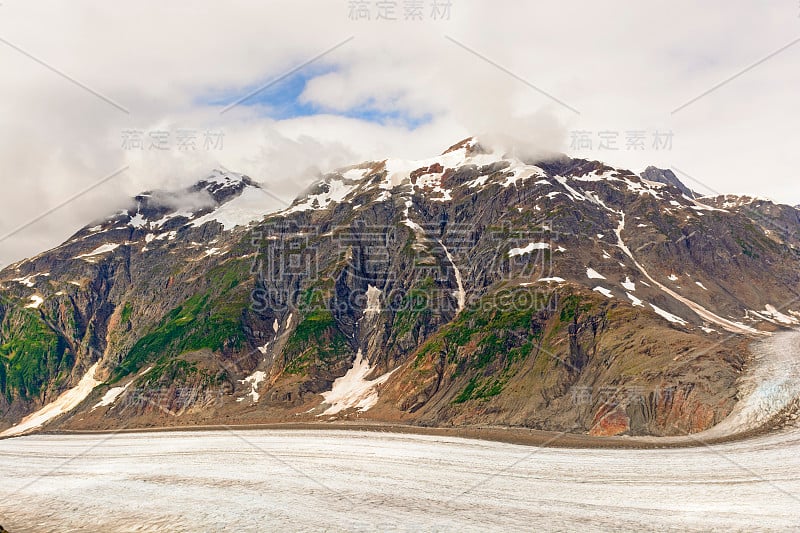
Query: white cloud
x=624 y=68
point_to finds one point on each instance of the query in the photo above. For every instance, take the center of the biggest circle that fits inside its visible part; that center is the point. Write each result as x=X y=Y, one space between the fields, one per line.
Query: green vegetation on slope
x=32 y=356
x=210 y=320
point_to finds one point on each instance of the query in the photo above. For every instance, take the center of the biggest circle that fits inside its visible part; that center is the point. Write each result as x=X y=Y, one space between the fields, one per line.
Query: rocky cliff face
x=469 y=288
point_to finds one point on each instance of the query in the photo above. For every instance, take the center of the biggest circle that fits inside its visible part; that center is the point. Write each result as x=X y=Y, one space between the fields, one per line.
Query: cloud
x=398 y=89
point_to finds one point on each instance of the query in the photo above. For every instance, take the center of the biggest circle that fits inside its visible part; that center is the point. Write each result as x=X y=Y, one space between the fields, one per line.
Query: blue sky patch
x=281 y=101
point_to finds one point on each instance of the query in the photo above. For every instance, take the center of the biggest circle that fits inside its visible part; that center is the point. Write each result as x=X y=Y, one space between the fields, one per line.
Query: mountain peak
x=470 y=145
x=229 y=198
x=667 y=177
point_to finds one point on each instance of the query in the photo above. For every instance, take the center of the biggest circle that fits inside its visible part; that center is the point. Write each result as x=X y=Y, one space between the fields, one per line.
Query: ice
x=770 y=385
x=211 y=480
x=780 y=317
x=329 y=480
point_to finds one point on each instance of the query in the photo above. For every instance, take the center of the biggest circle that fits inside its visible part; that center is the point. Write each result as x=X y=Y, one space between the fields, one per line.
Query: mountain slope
x=467 y=288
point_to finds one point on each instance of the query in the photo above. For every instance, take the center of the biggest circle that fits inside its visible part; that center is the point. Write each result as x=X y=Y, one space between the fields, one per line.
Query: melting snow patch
x=138 y=221
x=593 y=274
x=104 y=249
x=529 y=248
x=336 y=191
x=668 y=316
x=553 y=279
x=111 y=396
x=673 y=277
x=65 y=403
x=36 y=301
x=701 y=285
x=634 y=300
x=353 y=390
x=628 y=284
x=459 y=294
x=27 y=281
x=775 y=314
x=605 y=292
x=254 y=380
x=212 y=251
x=251 y=205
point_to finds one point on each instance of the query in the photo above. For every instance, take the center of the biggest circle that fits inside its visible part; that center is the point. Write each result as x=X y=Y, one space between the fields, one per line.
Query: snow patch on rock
x=602 y=290
x=353 y=390
x=593 y=274
x=669 y=316
x=65 y=403
x=254 y=380
x=528 y=249
x=100 y=250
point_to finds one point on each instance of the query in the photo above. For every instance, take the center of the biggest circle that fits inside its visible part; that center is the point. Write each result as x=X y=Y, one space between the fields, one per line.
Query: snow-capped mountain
x=468 y=288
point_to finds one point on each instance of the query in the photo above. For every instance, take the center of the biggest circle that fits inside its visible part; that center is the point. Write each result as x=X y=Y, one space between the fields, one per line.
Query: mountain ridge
x=465 y=288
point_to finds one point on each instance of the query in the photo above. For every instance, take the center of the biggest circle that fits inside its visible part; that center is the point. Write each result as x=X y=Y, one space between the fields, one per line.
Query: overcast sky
x=154 y=94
